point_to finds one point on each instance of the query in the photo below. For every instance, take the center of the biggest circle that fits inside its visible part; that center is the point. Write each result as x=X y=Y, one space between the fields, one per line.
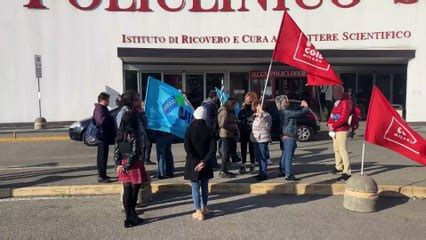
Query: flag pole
x=272 y=59
x=318 y=91
x=266 y=83
x=363 y=158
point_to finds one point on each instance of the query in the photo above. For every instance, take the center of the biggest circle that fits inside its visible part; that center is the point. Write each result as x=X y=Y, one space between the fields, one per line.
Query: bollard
x=361 y=194
x=40 y=123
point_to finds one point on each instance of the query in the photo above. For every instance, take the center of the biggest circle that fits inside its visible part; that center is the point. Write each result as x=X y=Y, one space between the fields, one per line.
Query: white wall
x=79 y=48
x=416 y=75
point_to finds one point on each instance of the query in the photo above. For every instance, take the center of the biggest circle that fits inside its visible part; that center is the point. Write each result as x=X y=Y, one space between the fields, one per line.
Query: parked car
x=78 y=129
x=307 y=125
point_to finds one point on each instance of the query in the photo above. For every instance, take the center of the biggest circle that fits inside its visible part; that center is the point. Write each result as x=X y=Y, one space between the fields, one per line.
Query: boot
x=205 y=210
x=252 y=171
x=198 y=215
x=130 y=222
x=243 y=169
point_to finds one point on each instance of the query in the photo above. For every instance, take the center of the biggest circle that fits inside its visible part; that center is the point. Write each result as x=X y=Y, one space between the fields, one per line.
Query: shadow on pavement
x=384 y=203
x=46 y=176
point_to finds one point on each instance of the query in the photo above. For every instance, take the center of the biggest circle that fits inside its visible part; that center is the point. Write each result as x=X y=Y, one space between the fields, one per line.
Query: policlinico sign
x=195 y=5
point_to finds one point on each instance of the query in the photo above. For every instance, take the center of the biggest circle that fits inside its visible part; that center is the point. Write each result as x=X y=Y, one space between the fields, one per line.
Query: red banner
x=386 y=128
x=294 y=48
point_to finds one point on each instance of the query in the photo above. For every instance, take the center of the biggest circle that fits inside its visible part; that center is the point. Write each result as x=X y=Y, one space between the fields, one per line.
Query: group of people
x=252 y=127
x=130 y=101
x=212 y=124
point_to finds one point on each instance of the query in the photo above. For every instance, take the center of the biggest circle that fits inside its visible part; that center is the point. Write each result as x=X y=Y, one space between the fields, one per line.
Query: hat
x=200 y=113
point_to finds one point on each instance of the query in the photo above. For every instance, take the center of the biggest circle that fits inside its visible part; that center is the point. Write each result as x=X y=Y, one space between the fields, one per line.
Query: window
x=214 y=80
x=131 y=80
x=174 y=80
x=383 y=81
x=399 y=88
x=144 y=82
x=239 y=84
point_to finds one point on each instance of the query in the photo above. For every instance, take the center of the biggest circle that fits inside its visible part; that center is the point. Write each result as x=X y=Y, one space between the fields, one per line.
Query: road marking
x=215 y=188
x=35 y=139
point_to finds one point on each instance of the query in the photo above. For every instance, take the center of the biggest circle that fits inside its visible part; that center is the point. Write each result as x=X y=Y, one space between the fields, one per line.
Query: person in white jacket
x=261 y=137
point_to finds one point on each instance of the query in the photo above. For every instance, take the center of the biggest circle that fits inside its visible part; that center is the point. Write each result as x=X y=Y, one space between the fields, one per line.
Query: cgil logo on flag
x=384 y=127
x=399 y=134
x=306 y=53
x=295 y=49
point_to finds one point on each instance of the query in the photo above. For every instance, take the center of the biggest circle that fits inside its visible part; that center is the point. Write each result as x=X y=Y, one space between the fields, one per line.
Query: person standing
x=246 y=117
x=338 y=126
x=200 y=147
x=105 y=121
x=211 y=109
x=288 y=126
x=211 y=106
x=165 y=163
x=229 y=134
x=128 y=157
x=261 y=137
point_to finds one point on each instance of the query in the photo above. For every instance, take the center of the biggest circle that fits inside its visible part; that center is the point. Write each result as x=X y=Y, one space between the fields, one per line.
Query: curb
x=415 y=192
x=35 y=139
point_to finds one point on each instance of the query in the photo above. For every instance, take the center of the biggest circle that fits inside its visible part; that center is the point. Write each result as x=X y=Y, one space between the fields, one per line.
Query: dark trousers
x=130 y=197
x=148 y=151
x=244 y=142
x=229 y=149
x=164 y=155
x=102 y=158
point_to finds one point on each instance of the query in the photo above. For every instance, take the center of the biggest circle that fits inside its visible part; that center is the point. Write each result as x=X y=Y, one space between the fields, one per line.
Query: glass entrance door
x=213 y=80
x=195 y=89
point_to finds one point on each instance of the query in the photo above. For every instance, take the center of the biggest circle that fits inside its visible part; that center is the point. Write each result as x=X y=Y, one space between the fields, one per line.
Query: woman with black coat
x=200 y=147
x=128 y=157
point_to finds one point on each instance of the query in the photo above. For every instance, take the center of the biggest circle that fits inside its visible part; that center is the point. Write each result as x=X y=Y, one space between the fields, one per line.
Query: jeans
x=229 y=149
x=261 y=152
x=148 y=151
x=102 y=158
x=289 y=146
x=164 y=155
x=267 y=152
x=244 y=142
x=196 y=186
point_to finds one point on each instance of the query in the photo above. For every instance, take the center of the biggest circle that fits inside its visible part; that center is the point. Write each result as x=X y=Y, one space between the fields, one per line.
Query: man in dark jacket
x=105 y=121
x=211 y=109
x=200 y=147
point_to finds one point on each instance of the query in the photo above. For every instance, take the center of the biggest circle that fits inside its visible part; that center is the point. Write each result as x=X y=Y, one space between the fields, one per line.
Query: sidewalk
x=313 y=161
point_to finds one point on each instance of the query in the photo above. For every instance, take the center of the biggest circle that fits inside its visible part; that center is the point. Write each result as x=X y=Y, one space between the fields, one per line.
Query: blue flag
x=223 y=96
x=166 y=108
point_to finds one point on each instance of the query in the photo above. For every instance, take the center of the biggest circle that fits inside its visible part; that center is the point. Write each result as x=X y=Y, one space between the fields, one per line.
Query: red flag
x=387 y=129
x=294 y=48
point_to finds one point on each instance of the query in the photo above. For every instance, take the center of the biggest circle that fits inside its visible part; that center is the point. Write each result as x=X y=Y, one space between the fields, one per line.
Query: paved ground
x=233 y=217
x=25 y=164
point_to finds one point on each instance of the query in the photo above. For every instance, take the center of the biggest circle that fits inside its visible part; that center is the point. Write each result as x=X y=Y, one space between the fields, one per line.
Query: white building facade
x=89 y=46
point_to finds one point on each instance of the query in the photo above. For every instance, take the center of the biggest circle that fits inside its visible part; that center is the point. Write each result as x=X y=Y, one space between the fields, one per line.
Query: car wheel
x=304 y=133
x=84 y=138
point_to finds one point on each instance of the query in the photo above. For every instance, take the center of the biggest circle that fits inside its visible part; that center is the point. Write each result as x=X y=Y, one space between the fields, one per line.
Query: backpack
x=354 y=119
x=93 y=133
